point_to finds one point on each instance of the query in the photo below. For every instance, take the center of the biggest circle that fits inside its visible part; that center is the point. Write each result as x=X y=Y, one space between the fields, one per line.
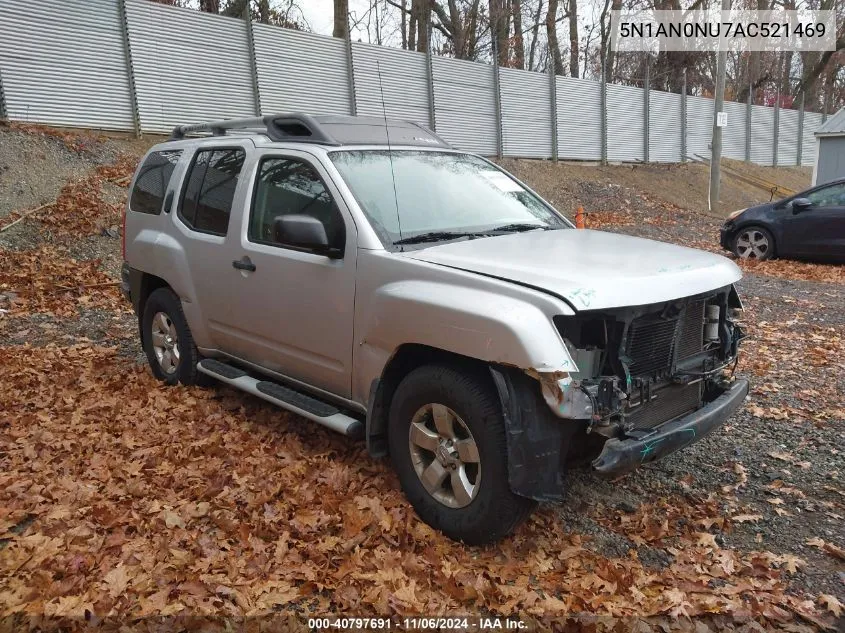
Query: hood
x=592 y=270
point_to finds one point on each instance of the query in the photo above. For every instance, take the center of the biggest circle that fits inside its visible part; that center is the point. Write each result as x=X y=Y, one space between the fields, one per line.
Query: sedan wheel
x=445 y=455
x=753 y=243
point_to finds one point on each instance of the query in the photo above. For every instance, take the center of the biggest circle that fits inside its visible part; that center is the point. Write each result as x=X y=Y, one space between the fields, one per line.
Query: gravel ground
x=788 y=471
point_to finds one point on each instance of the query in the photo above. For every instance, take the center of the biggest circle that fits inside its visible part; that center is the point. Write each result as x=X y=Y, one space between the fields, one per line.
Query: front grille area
x=691 y=337
x=669 y=403
x=653 y=341
x=650 y=344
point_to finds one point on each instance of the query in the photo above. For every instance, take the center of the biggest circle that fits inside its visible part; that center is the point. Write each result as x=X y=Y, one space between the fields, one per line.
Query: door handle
x=244 y=264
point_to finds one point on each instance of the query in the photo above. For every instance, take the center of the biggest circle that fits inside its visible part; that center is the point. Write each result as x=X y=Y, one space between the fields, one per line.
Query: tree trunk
x=264 y=11
x=499 y=23
x=423 y=20
x=518 y=40
x=610 y=55
x=210 y=6
x=573 y=38
x=404 y=15
x=341 y=22
x=551 y=35
x=535 y=31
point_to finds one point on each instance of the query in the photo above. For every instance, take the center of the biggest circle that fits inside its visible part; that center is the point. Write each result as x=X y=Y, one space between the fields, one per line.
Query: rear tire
x=167 y=340
x=466 y=494
x=754 y=242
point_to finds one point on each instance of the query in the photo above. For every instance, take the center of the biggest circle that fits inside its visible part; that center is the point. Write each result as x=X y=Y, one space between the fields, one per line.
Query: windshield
x=441 y=195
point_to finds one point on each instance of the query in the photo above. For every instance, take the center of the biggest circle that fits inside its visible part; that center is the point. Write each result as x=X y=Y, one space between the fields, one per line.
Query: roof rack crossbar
x=295 y=127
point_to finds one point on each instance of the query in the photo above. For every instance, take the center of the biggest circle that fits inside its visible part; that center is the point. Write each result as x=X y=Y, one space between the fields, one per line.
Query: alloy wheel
x=165 y=342
x=445 y=455
x=752 y=244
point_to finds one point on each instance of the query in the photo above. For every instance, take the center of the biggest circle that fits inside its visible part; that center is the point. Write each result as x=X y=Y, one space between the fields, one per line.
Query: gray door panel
x=294 y=313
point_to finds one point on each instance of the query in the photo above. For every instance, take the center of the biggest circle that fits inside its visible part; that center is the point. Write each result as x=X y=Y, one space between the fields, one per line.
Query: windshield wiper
x=517 y=227
x=434 y=236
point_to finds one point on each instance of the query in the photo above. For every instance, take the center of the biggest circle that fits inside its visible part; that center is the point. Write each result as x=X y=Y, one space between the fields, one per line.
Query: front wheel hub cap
x=752 y=244
x=445 y=455
x=165 y=342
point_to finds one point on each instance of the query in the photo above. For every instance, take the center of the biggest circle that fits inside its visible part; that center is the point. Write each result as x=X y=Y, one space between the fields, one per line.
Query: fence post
x=498 y=100
x=646 y=108
x=553 y=104
x=684 y=117
x=130 y=68
x=350 y=71
x=800 y=151
x=253 y=60
x=603 y=113
x=4 y=111
x=748 y=110
x=429 y=63
x=776 y=129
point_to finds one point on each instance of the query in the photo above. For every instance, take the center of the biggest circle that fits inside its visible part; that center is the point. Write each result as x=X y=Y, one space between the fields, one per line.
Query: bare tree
x=535 y=32
x=518 y=40
x=341 y=19
x=573 y=38
x=551 y=35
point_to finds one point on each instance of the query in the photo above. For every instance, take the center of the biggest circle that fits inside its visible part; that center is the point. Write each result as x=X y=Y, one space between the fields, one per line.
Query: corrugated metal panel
x=301 y=72
x=63 y=63
x=699 y=127
x=625 y=123
x=762 y=134
x=404 y=79
x=664 y=140
x=788 y=137
x=526 y=113
x=465 y=104
x=812 y=122
x=733 y=136
x=189 y=66
x=578 y=118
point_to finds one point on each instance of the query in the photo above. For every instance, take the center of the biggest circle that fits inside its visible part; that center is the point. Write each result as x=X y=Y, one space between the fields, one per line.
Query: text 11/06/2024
x=417 y=623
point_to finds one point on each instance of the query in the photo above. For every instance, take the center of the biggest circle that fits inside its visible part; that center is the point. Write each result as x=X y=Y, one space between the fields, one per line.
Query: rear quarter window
x=153 y=178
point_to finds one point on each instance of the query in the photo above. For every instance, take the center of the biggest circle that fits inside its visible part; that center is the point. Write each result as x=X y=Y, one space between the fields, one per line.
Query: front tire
x=754 y=242
x=167 y=340
x=448 y=447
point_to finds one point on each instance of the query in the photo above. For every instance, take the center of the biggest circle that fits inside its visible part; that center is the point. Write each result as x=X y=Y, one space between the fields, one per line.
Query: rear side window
x=211 y=183
x=151 y=184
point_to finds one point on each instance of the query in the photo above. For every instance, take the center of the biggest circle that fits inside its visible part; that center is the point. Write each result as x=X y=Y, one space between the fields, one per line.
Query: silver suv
x=365 y=275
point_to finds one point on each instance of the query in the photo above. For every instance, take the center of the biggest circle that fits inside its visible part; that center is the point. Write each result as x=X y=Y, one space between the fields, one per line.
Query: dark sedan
x=808 y=225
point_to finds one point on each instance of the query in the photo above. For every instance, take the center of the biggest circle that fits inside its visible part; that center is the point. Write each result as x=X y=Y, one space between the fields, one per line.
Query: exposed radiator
x=666 y=404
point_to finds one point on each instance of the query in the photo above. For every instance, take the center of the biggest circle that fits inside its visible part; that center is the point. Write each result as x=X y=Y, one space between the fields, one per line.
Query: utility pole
x=716 y=143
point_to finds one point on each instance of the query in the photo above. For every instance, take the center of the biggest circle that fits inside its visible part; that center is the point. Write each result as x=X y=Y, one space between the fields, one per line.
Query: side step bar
x=283 y=396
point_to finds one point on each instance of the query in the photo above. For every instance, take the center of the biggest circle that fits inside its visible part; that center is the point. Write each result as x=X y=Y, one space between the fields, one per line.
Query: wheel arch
x=538 y=442
x=403 y=361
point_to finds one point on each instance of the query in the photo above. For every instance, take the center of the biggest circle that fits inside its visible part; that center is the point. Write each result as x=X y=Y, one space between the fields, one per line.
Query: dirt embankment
x=121 y=496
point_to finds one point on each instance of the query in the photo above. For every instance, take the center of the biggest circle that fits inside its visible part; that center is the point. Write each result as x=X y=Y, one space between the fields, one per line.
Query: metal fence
x=144 y=66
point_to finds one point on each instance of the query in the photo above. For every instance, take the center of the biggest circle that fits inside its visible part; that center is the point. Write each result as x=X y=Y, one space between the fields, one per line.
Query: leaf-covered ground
x=122 y=499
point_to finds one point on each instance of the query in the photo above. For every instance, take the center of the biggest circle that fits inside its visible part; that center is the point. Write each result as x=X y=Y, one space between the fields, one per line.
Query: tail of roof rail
x=332 y=130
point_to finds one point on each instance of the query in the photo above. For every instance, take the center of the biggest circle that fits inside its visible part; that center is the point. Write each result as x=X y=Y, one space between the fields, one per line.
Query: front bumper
x=726 y=236
x=621 y=456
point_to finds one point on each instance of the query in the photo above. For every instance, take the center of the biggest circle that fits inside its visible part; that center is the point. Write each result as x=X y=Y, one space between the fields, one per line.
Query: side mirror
x=801 y=204
x=303 y=231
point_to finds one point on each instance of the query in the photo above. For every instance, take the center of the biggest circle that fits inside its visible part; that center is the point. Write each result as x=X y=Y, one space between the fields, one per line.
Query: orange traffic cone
x=580 y=218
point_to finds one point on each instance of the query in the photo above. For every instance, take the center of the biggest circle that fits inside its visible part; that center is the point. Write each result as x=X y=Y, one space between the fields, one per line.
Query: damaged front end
x=651 y=378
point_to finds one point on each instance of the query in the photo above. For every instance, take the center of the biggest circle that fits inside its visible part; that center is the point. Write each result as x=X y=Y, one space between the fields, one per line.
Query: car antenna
x=390 y=154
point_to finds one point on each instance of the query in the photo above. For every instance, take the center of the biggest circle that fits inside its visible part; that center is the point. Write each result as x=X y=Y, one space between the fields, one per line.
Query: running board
x=285 y=397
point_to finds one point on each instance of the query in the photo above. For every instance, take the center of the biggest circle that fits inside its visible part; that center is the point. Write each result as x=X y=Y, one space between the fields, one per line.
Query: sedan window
x=833 y=196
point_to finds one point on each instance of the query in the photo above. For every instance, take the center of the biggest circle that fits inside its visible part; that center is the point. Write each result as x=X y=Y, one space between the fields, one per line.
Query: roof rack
x=324 y=129
x=278 y=127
